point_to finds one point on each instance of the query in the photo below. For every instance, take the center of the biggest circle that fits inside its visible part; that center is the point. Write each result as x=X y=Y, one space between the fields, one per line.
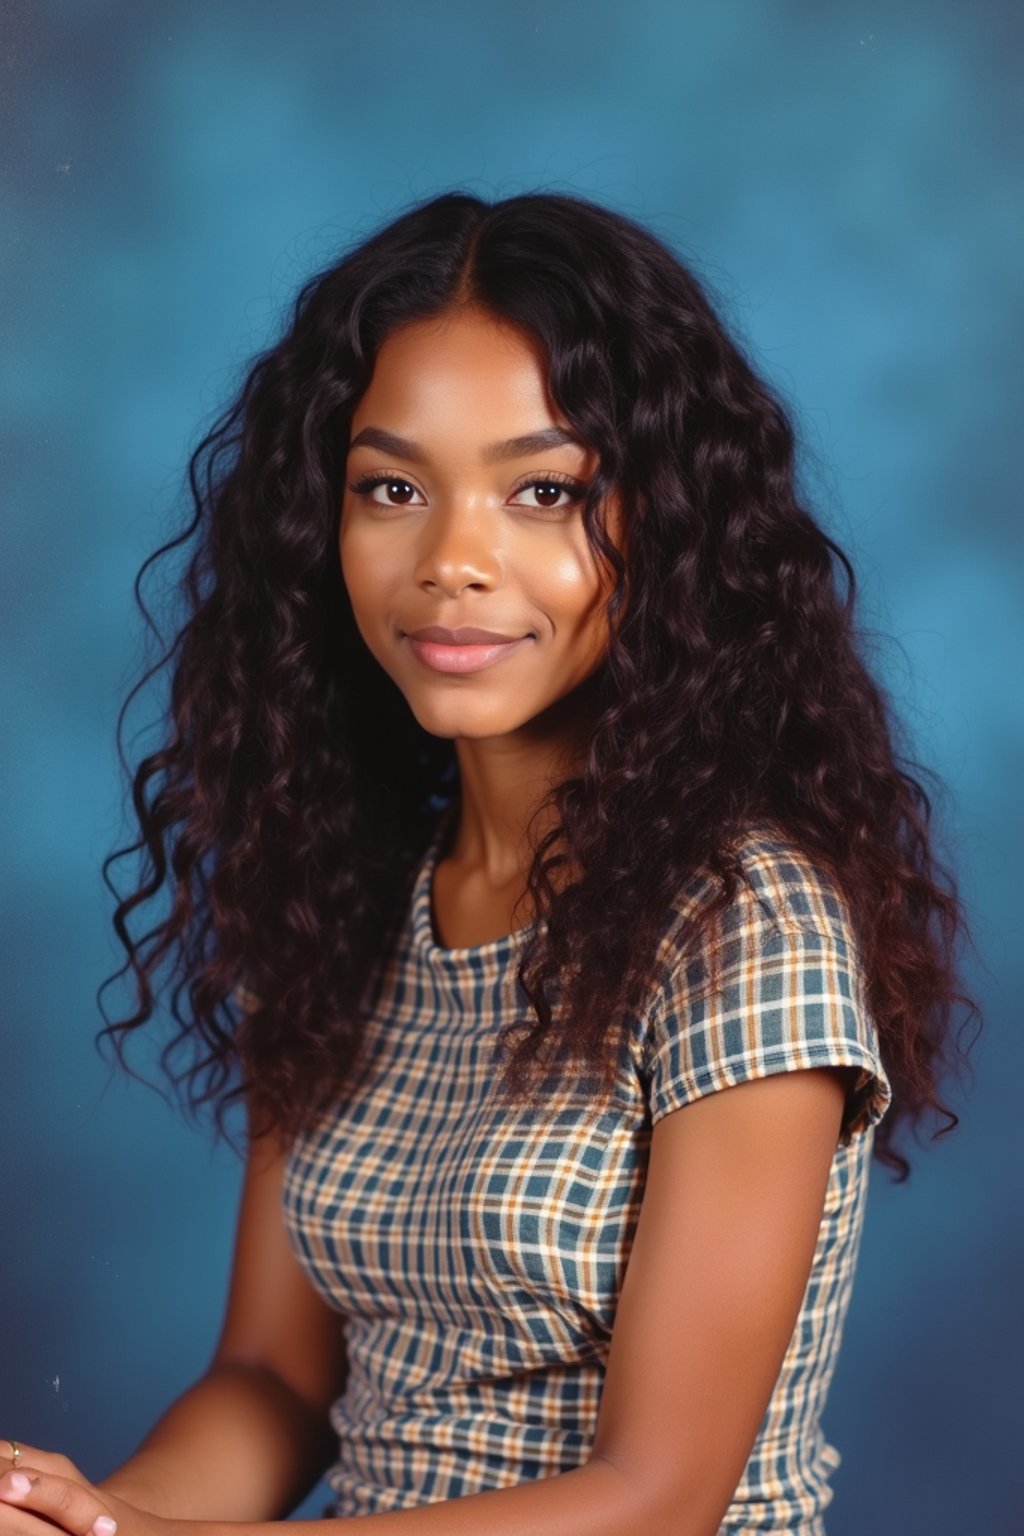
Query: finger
x=76 y=1509
x=19 y=1522
x=34 y=1457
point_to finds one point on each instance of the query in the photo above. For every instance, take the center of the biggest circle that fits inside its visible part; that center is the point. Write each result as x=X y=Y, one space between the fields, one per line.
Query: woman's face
x=466 y=527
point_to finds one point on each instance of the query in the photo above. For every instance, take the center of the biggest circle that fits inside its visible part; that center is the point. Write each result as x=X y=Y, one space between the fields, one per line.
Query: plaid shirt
x=477 y=1252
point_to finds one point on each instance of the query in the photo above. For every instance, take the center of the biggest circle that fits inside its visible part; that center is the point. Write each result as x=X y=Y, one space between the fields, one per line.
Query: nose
x=459 y=547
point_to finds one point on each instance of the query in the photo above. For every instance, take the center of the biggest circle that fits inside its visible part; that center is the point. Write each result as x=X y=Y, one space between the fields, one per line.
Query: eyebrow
x=494 y=453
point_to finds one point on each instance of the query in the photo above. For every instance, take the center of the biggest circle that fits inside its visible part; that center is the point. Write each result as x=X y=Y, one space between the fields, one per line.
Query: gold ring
x=15 y=1452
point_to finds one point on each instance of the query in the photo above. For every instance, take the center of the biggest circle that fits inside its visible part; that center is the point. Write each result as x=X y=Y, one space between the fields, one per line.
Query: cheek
x=574 y=592
x=366 y=571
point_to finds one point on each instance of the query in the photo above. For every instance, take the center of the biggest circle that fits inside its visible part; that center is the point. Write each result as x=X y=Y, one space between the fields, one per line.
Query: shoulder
x=791 y=887
x=774 y=983
x=782 y=889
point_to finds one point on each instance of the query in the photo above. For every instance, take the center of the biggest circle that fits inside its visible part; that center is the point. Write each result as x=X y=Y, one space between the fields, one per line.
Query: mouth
x=461 y=659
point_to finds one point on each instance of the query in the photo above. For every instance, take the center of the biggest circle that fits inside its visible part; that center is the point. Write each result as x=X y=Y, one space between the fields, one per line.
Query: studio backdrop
x=846 y=181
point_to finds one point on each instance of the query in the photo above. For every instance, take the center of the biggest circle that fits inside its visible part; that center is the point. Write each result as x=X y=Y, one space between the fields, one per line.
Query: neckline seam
x=423 y=921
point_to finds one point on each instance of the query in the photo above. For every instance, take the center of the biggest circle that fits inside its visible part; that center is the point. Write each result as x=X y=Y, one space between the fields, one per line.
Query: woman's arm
x=250 y=1438
x=720 y=1261
x=237 y=1445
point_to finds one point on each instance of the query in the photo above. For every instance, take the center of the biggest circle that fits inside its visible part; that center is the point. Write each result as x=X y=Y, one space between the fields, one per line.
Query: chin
x=466 y=723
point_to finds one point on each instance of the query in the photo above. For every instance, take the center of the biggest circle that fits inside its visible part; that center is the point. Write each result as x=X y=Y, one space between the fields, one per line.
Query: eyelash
x=369 y=483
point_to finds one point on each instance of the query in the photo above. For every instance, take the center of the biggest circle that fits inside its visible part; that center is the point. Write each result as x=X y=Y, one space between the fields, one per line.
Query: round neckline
x=422 y=915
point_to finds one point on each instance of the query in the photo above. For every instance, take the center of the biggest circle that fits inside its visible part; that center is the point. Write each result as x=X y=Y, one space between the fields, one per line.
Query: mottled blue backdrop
x=848 y=180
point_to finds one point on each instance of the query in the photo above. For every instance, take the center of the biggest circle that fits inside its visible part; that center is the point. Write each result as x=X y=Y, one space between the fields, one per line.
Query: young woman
x=524 y=791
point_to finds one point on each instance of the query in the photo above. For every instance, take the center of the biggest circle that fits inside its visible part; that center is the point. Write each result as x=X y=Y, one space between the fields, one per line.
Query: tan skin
x=459 y=539
x=456 y=539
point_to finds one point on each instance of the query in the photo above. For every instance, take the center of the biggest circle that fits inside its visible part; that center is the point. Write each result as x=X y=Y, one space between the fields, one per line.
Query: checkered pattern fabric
x=477 y=1252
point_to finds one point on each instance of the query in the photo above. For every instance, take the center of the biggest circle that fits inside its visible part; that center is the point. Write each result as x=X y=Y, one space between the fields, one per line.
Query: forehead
x=465 y=332
x=467 y=362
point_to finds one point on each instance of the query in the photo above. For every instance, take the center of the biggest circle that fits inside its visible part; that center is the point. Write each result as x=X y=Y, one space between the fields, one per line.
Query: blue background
x=847 y=178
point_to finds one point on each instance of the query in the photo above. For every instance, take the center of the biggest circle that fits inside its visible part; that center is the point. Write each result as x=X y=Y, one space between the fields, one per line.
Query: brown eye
x=547 y=491
x=397 y=490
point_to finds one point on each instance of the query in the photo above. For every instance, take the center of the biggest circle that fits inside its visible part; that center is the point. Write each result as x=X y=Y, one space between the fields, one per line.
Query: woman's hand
x=58 y=1494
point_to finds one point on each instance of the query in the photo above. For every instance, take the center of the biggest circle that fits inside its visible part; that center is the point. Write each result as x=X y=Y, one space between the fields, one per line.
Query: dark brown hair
x=295 y=793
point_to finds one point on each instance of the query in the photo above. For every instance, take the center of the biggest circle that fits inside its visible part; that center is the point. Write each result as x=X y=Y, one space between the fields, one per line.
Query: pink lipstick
x=463 y=658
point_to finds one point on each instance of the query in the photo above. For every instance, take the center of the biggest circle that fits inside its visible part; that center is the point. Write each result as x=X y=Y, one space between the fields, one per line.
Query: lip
x=467 y=634
x=461 y=659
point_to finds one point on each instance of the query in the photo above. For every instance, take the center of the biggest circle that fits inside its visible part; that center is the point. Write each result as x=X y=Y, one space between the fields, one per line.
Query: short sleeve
x=788 y=995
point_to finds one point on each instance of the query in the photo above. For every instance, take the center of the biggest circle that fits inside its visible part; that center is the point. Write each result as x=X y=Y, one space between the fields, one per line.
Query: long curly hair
x=296 y=794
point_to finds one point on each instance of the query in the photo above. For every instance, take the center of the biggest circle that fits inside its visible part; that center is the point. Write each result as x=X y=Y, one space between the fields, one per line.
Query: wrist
x=137 y=1519
x=137 y=1491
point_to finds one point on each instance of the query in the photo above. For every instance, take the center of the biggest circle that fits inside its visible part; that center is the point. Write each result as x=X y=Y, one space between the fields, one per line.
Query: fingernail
x=19 y=1483
x=104 y=1526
